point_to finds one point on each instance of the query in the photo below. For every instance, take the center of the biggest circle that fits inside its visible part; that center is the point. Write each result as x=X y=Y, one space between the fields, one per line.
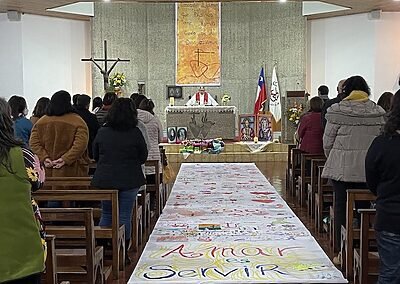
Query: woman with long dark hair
x=22 y=125
x=382 y=169
x=21 y=249
x=60 y=139
x=97 y=104
x=120 y=150
x=352 y=125
x=385 y=101
x=40 y=109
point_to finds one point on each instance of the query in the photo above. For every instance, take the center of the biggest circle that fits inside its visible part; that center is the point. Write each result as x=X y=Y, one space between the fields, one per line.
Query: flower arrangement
x=226 y=98
x=118 y=80
x=294 y=113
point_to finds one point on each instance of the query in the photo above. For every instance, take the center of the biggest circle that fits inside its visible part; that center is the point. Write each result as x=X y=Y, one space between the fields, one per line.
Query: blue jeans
x=389 y=254
x=126 y=200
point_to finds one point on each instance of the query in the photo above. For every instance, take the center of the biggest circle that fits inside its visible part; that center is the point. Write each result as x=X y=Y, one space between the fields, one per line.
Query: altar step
x=233 y=153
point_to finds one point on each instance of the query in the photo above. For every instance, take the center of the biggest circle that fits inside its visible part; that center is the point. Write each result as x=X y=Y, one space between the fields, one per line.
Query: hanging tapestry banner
x=198 y=44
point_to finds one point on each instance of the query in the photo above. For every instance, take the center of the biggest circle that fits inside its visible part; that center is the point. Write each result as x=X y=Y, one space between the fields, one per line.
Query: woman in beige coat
x=352 y=125
x=60 y=139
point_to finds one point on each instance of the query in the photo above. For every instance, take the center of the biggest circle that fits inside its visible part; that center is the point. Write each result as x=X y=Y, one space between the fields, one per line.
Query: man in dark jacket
x=82 y=108
x=329 y=103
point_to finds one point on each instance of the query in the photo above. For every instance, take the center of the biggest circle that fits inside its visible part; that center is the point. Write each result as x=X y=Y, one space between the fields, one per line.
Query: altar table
x=204 y=122
x=225 y=223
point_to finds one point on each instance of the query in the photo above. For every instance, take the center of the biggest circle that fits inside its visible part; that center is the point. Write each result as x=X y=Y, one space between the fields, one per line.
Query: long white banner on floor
x=225 y=223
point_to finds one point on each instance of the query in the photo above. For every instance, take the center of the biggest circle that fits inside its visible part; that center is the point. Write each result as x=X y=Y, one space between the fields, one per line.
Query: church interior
x=199 y=142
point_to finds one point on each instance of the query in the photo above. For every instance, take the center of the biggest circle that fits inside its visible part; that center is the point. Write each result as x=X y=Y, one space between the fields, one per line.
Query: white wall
x=387 y=60
x=49 y=52
x=11 y=75
x=354 y=45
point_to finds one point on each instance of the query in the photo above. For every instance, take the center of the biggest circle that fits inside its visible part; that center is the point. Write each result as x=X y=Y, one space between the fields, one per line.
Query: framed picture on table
x=264 y=127
x=174 y=92
x=247 y=127
x=171 y=133
x=181 y=134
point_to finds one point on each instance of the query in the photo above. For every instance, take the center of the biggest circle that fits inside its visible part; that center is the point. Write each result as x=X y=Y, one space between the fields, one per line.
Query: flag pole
x=266 y=104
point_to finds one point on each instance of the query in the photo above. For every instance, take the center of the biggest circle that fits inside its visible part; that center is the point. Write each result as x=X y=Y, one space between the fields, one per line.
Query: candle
x=171 y=101
x=255 y=139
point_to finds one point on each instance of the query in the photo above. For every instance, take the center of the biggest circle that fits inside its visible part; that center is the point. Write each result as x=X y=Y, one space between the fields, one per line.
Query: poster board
x=198 y=44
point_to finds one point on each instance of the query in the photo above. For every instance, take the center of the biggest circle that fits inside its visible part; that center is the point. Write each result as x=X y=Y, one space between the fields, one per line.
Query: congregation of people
x=63 y=136
x=61 y=139
x=358 y=138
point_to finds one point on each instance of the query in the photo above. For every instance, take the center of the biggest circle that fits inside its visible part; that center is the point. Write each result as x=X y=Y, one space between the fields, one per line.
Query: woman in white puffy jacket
x=352 y=125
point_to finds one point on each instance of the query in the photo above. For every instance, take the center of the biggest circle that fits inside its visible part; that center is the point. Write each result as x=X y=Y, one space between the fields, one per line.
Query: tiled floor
x=275 y=172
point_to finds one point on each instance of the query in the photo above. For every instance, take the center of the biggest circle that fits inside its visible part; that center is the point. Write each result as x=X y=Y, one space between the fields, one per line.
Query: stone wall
x=253 y=34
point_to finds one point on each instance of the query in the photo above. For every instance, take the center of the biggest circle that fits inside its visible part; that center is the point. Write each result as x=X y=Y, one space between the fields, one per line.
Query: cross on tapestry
x=198 y=44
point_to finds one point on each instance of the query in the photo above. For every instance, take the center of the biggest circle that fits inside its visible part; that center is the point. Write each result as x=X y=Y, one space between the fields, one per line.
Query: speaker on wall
x=14 y=16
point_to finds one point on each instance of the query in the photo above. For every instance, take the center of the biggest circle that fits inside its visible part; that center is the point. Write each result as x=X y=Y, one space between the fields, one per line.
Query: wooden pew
x=138 y=234
x=77 y=264
x=366 y=260
x=331 y=231
x=115 y=233
x=323 y=197
x=75 y=182
x=289 y=168
x=349 y=233
x=305 y=178
x=166 y=187
x=144 y=225
x=155 y=189
x=50 y=274
x=295 y=170
x=313 y=186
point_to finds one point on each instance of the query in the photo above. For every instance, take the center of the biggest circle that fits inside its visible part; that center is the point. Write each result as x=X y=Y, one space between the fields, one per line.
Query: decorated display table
x=233 y=152
x=204 y=122
x=225 y=223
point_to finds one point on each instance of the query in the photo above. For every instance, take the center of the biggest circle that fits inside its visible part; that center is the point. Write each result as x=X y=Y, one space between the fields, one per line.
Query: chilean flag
x=261 y=93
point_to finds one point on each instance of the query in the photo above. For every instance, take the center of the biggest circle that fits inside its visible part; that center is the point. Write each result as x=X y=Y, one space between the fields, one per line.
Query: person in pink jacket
x=310 y=131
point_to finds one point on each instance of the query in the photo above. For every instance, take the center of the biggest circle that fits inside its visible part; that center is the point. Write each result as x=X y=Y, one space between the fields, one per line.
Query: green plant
x=118 y=80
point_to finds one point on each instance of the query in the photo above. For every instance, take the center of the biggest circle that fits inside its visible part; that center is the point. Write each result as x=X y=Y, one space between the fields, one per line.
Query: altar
x=204 y=122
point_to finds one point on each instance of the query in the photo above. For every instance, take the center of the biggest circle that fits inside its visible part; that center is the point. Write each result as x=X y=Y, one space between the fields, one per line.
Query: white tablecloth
x=225 y=223
x=256 y=147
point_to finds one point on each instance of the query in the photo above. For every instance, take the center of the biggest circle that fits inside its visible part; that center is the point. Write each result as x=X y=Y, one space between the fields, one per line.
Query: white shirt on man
x=202 y=99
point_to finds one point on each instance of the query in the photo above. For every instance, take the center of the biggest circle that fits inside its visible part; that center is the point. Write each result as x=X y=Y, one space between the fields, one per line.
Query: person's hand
x=58 y=164
x=48 y=163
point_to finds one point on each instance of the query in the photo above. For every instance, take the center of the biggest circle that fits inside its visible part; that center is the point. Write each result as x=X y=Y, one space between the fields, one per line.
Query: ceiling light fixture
x=282 y=1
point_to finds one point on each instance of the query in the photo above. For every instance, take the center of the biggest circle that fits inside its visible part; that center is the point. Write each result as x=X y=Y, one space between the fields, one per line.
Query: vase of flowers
x=225 y=99
x=117 y=82
x=294 y=113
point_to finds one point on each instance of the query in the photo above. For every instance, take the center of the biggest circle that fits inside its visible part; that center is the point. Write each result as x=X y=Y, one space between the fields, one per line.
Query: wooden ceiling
x=39 y=6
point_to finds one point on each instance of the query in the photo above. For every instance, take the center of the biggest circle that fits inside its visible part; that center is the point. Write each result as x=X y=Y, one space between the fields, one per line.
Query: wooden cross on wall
x=105 y=72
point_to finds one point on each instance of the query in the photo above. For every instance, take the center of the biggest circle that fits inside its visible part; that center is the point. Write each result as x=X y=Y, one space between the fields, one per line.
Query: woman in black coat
x=119 y=150
x=382 y=168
